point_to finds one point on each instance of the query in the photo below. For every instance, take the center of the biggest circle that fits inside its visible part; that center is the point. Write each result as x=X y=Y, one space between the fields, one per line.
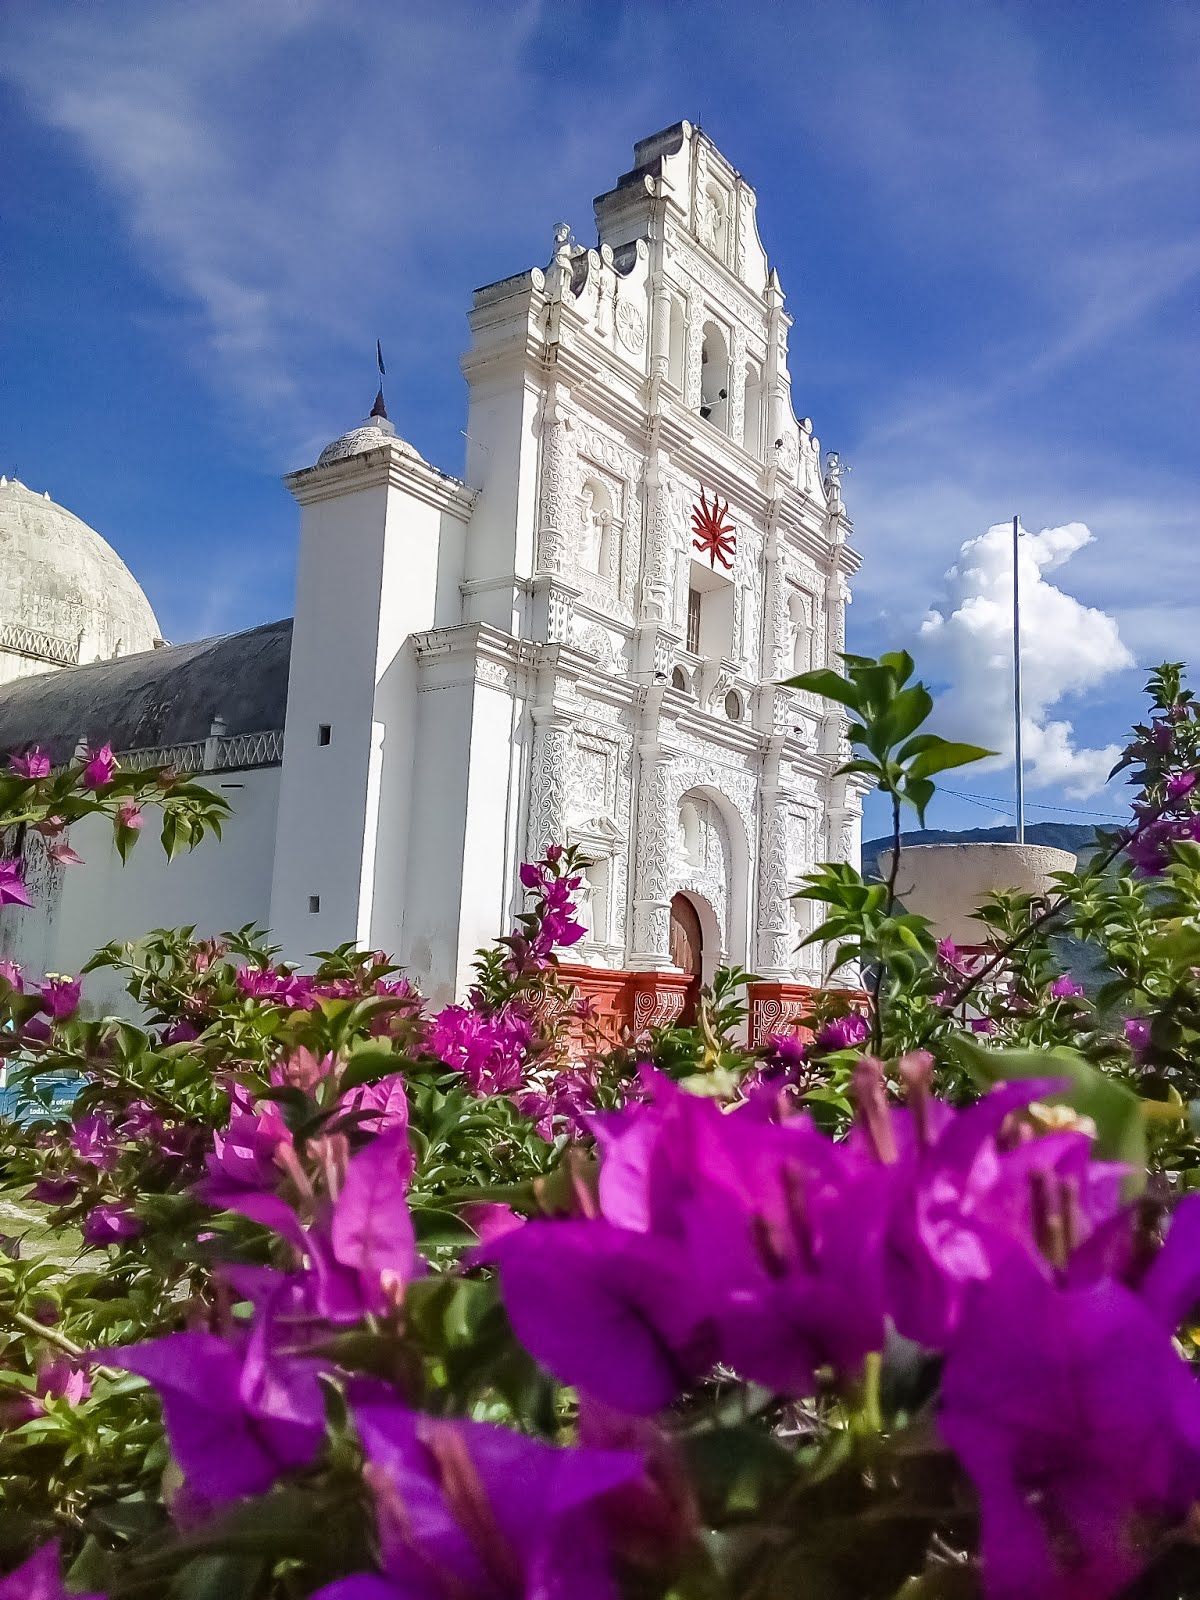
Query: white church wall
x=429 y=945
x=488 y=834
x=318 y=884
x=381 y=547
x=216 y=887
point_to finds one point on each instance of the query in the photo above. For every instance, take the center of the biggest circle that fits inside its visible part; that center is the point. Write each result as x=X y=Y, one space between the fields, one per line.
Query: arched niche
x=594 y=550
x=713 y=869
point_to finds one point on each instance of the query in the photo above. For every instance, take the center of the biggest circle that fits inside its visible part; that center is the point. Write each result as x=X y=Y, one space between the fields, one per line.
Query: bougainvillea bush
x=314 y=1290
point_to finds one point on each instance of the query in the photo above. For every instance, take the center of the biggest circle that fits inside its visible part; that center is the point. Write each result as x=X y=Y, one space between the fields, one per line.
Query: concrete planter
x=947 y=882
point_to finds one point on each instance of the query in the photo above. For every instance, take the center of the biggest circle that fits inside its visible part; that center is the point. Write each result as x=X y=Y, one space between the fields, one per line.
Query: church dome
x=376 y=431
x=65 y=594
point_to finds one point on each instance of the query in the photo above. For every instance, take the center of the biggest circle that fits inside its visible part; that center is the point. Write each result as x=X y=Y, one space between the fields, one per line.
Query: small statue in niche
x=595 y=520
x=713 y=220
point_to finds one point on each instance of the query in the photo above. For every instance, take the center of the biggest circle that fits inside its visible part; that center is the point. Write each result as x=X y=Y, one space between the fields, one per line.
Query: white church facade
x=580 y=641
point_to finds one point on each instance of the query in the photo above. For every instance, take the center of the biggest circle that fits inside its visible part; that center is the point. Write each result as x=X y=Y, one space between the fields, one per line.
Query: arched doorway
x=687 y=937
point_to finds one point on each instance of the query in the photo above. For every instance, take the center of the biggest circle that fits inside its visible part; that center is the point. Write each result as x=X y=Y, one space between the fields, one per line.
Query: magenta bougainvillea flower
x=1073 y=1465
x=53 y=1190
x=94 y=1141
x=129 y=815
x=302 y=1070
x=1180 y=784
x=722 y=1237
x=783 y=1057
x=99 y=768
x=1150 y=848
x=380 y=1107
x=467 y=1508
x=236 y=1417
x=109 y=1224
x=284 y=988
x=12 y=884
x=489 y=1051
x=61 y=853
x=1137 y=1034
x=39 y=1579
x=60 y=996
x=35 y=763
x=1065 y=988
x=843 y=1033
x=244 y=1155
x=359 y=1254
x=63 y=1379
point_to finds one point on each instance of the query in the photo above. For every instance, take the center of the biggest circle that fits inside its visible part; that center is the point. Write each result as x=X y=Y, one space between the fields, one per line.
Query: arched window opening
x=733 y=706
x=595 y=528
x=679 y=679
x=676 y=343
x=754 y=411
x=714 y=378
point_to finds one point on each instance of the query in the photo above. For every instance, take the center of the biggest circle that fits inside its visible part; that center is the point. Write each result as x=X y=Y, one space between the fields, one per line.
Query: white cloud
x=1067 y=649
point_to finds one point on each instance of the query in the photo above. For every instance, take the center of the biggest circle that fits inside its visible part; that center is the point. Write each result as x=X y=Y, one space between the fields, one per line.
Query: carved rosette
x=556 y=502
x=548 y=781
x=653 y=855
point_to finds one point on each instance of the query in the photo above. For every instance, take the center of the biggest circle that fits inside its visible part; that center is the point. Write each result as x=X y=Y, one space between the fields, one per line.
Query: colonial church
x=579 y=640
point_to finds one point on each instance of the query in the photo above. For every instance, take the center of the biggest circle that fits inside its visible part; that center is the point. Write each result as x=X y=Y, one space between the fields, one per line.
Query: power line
x=1007 y=805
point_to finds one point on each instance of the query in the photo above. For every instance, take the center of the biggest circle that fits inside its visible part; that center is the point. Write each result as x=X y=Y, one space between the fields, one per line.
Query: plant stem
x=877 y=982
x=51 y=1335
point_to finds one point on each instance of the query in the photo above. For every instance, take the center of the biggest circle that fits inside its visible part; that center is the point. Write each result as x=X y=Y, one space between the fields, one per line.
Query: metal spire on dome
x=379 y=409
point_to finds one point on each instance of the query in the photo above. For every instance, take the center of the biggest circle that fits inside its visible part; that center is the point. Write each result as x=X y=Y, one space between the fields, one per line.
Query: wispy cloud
x=288 y=177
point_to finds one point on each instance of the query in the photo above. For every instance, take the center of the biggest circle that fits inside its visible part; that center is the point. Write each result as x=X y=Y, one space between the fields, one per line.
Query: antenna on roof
x=379 y=409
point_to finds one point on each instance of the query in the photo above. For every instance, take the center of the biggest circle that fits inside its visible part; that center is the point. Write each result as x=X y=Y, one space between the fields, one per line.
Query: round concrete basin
x=947 y=882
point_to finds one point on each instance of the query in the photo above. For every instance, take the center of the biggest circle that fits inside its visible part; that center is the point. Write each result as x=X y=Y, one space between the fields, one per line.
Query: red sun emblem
x=715 y=535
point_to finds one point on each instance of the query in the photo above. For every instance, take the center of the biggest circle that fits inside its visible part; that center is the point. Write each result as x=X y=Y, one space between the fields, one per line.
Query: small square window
x=324 y=733
x=314 y=903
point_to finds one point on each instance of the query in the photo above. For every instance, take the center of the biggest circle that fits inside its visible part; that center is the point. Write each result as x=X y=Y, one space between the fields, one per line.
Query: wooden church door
x=687 y=937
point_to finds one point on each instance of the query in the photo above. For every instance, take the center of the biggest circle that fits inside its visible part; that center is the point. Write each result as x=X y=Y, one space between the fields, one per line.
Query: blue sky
x=986 y=218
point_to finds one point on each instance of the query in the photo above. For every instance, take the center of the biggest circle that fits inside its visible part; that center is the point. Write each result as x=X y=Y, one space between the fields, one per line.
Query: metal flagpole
x=1017 y=682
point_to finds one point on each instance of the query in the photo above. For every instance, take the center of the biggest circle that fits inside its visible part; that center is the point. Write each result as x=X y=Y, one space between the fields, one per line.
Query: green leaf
x=368 y=1064
x=918 y=792
x=944 y=755
x=906 y=713
x=826 y=682
x=899 y=662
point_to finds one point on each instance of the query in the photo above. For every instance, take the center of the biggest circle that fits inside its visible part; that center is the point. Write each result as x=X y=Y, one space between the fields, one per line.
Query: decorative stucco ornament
x=631 y=326
x=713 y=534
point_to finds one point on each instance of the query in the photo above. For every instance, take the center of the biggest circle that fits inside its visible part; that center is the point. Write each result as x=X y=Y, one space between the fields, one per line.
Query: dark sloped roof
x=160 y=697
